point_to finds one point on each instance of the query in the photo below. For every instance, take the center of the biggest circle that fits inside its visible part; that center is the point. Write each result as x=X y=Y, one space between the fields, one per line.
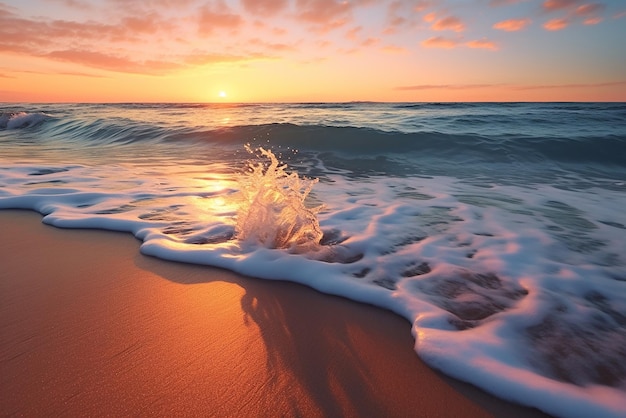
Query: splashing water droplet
x=271 y=210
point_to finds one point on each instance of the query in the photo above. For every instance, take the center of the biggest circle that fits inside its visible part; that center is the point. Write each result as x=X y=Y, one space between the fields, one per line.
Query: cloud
x=446 y=87
x=134 y=44
x=589 y=9
x=430 y=17
x=104 y=61
x=208 y=59
x=440 y=42
x=592 y=21
x=392 y=49
x=482 y=44
x=370 y=42
x=75 y=4
x=135 y=7
x=80 y=74
x=571 y=86
x=450 y=43
x=512 y=25
x=324 y=14
x=396 y=15
x=265 y=7
x=511 y=86
x=353 y=34
x=125 y=64
x=217 y=15
x=587 y=13
x=149 y=24
x=34 y=35
x=449 y=23
x=552 y=5
x=556 y=24
x=498 y=3
x=68 y=73
x=403 y=15
x=422 y=5
x=590 y=13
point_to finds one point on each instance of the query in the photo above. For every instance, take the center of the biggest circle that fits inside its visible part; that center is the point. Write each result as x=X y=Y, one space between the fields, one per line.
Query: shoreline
x=90 y=326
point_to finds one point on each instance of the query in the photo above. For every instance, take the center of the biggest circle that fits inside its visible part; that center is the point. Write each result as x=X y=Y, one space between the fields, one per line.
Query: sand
x=90 y=327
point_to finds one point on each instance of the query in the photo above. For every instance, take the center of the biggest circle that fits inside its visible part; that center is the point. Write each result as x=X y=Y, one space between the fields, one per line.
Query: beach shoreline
x=90 y=326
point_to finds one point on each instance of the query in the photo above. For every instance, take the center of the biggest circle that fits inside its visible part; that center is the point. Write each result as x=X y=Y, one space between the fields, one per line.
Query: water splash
x=272 y=209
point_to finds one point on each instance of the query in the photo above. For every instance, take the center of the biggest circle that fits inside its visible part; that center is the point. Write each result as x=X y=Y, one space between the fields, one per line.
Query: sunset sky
x=312 y=50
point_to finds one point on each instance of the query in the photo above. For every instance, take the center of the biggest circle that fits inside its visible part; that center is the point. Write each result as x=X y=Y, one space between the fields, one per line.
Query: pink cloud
x=552 y=5
x=512 y=25
x=263 y=44
x=422 y=5
x=76 y=4
x=29 y=36
x=145 y=24
x=482 y=44
x=446 y=87
x=392 y=49
x=430 y=17
x=217 y=16
x=326 y=13
x=589 y=9
x=440 y=42
x=370 y=42
x=449 y=23
x=353 y=33
x=402 y=15
x=588 y=13
x=592 y=21
x=511 y=86
x=125 y=64
x=125 y=46
x=571 y=86
x=265 y=7
x=450 y=43
x=497 y=3
x=556 y=24
x=207 y=59
x=112 y=62
x=619 y=15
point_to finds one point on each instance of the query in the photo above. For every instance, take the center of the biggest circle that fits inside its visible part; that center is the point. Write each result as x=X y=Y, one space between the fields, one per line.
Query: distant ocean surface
x=497 y=229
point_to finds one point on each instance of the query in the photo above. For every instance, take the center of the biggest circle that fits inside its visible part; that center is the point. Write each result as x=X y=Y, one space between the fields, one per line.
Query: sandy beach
x=91 y=327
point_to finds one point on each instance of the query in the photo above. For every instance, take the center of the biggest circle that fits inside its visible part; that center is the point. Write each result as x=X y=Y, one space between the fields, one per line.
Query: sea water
x=497 y=229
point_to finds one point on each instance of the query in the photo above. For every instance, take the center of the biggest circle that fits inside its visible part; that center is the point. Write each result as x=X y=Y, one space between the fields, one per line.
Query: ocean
x=497 y=229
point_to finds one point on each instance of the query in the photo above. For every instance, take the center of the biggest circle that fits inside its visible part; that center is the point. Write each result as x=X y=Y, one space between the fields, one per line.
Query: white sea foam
x=19 y=120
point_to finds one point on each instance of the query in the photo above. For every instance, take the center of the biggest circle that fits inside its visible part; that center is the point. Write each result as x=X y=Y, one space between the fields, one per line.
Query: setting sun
x=222 y=94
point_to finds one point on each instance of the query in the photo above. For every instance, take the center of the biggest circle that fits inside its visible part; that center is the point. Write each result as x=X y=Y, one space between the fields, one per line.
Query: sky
x=312 y=50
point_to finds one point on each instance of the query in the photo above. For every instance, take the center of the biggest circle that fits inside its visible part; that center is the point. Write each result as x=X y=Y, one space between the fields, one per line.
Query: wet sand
x=89 y=326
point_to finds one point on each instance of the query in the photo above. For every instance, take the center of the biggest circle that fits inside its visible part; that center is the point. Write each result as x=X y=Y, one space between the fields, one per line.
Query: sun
x=222 y=94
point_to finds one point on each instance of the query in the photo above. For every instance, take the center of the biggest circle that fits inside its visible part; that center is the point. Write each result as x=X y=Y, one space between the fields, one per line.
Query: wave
x=19 y=120
x=607 y=149
x=368 y=141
